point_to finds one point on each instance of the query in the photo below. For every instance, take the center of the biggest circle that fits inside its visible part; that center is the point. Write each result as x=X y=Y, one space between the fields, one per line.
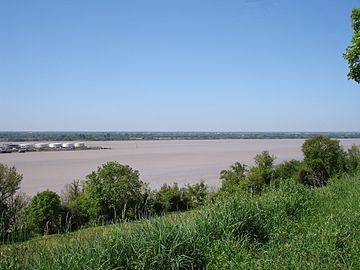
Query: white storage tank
x=55 y=145
x=68 y=145
x=14 y=146
x=79 y=145
x=26 y=146
x=41 y=145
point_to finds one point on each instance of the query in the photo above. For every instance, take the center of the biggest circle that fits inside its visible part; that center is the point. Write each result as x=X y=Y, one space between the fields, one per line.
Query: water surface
x=157 y=161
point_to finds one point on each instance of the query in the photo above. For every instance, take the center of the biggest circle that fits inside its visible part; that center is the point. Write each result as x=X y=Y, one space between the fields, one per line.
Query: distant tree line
x=125 y=136
x=114 y=192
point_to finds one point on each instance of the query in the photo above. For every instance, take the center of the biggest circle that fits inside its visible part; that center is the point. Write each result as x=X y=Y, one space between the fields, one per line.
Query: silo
x=41 y=146
x=14 y=146
x=68 y=145
x=79 y=145
x=27 y=146
x=55 y=145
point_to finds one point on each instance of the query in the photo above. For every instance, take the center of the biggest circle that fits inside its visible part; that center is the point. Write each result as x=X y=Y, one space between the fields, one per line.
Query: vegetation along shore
x=22 y=136
x=297 y=214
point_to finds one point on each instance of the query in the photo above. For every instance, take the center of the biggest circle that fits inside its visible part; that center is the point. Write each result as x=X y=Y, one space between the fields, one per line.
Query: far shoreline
x=73 y=136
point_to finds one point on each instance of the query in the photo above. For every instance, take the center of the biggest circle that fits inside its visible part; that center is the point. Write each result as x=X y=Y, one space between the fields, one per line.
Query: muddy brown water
x=158 y=162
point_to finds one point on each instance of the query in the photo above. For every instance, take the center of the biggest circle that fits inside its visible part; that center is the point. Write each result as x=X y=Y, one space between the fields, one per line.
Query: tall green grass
x=288 y=227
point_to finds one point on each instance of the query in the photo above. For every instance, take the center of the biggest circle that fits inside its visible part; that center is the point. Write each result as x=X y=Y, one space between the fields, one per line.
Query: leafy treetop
x=352 y=54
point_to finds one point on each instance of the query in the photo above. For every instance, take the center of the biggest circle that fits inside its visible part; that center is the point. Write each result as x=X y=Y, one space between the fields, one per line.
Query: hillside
x=290 y=226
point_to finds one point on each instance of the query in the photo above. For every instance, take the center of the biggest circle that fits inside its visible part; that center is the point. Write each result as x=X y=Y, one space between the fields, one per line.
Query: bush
x=12 y=205
x=171 y=198
x=197 y=194
x=44 y=212
x=71 y=191
x=76 y=205
x=114 y=192
x=233 y=178
x=353 y=159
x=287 y=169
x=77 y=212
x=323 y=158
x=262 y=173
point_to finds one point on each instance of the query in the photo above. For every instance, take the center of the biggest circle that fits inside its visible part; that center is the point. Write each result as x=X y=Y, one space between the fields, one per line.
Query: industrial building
x=27 y=147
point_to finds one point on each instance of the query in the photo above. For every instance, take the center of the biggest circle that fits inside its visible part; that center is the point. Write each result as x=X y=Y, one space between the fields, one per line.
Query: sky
x=181 y=65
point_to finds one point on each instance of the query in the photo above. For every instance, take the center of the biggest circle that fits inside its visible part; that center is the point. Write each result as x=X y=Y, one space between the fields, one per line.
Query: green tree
x=353 y=159
x=44 y=212
x=76 y=204
x=287 y=169
x=262 y=173
x=171 y=198
x=11 y=202
x=196 y=194
x=233 y=178
x=323 y=158
x=352 y=54
x=77 y=211
x=115 y=191
x=71 y=191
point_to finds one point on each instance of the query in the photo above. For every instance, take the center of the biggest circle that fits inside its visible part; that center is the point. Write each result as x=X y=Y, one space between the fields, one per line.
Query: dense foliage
x=114 y=191
x=12 y=204
x=44 y=212
x=324 y=159
x=262 y=173
x=352 y=54
x=353 y=159
x=234 y=177
x=172 y=198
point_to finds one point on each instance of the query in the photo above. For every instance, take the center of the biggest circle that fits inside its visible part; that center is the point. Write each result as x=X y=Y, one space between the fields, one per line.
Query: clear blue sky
x=185 y=65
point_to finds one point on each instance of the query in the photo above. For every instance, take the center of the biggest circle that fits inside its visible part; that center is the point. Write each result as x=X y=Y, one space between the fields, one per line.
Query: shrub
x=71 y=191
x=323 y=158
x=233 y=178
x=115 y=191
x=171 y=198
x=77 y=212
x=76 y=205
x=353 y=159
x=197 y=194
x=262 y=173
x=12 y=204
x=44 y=212
x=287 y=169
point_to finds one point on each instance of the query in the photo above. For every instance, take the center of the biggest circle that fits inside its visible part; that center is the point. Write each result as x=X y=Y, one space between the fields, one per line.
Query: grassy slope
x=293 y=227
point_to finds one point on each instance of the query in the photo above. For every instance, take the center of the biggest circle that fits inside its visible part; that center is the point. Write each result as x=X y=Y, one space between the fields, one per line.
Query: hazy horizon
x=184 y=131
